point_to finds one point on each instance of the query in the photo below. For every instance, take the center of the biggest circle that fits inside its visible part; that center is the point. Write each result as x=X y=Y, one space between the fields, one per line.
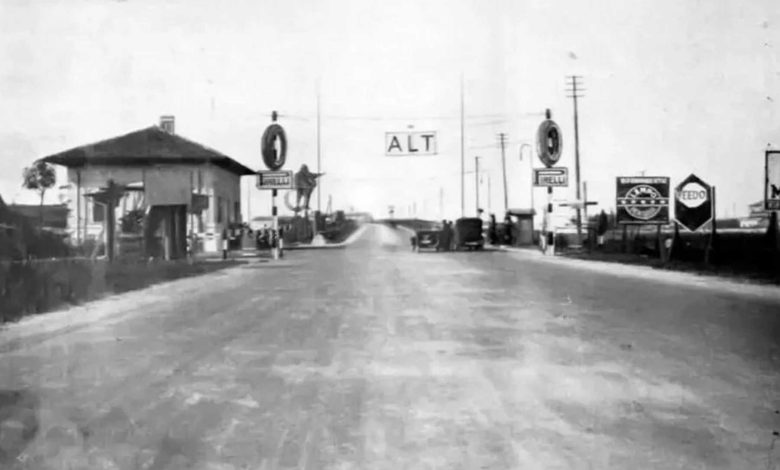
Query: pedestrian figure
x=492 y=235
x=224 y=243
x=281 y=242
x=441 y=245
x=507 y=229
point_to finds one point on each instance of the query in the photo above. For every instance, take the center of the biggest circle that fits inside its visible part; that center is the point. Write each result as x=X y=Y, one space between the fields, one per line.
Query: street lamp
x=531 y=166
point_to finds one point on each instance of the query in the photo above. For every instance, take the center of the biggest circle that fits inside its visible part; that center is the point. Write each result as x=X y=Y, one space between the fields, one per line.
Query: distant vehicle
x=468 y=234
x=426 y=239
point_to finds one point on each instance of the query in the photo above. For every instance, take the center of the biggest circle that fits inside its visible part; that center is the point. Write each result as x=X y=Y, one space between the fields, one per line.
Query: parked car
x=426 y=239
x=468 y=234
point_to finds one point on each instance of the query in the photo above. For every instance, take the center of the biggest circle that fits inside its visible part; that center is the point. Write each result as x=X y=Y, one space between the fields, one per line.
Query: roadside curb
x=681 y=278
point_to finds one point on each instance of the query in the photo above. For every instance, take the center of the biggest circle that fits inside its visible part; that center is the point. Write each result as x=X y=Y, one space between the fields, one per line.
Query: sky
x=671 y=88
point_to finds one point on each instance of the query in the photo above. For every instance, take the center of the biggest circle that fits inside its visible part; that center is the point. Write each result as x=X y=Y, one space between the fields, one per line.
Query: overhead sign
x=643 y=200
x=549 y=143
x=692 y=203
x=399 y=144
x=558 y=176
x=274 y=179
x=772 y=181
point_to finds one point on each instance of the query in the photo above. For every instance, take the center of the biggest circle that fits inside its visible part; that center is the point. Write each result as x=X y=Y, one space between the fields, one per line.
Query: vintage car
x=468 y=234
x=426 y=239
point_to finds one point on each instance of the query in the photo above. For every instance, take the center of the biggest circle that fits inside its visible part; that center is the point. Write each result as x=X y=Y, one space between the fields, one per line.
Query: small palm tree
x=39 y=177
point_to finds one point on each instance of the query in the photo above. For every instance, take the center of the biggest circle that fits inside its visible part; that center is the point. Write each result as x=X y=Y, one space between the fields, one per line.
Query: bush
x=28 y=287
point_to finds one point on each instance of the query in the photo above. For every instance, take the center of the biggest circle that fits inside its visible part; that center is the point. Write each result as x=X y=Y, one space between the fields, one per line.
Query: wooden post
x=624 y=243
x=713 y=233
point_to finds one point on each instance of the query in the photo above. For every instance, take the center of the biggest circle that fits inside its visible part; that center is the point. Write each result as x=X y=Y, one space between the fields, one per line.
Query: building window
x=237 y=212
x=219 y=210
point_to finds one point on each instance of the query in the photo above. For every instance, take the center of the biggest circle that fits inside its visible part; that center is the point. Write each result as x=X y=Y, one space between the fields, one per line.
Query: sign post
x=548 y=147
x=274 y=179
x=772 y=181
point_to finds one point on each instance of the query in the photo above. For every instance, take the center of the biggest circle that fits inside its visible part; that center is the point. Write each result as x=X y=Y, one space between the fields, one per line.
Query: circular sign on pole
x=692 y=203
x=272 y=157
x=549 y=142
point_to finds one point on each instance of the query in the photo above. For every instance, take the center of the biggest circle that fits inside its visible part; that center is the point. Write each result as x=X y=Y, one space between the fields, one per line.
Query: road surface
x=374 y=357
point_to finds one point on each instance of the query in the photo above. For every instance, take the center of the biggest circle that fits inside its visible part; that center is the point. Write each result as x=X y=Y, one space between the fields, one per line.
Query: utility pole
x=476 y=180
x=462 y=155
x=502 y=142
x=574 y=91
x=489 y=205
x=441 y=203
x=319 y=171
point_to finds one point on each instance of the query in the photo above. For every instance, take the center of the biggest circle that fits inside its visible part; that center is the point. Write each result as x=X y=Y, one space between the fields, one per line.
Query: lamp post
x=531 y=166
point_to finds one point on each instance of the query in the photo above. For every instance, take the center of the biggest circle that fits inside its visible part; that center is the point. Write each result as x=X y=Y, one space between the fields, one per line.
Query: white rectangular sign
x=772 y=186
x=556 y=176
x=399 y=144
x=275 y=179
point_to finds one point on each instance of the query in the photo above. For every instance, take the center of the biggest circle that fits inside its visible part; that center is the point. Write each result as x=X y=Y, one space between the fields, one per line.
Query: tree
x=39 y=177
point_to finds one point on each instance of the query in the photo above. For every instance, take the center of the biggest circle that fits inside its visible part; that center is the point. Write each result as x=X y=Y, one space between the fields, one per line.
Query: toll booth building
x=165 y=190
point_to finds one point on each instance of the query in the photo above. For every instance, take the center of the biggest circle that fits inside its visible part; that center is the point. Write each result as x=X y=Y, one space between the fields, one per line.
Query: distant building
x=758 y=217
x=179 y=186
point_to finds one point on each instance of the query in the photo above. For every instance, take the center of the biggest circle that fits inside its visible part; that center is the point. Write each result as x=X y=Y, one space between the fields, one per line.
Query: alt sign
x=693 y=203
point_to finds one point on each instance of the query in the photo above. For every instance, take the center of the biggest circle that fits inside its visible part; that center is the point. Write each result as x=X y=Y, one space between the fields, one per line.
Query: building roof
x=145 y=147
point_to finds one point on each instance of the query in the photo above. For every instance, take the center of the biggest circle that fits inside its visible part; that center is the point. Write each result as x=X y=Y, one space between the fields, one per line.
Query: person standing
x=281 y=242
x=224 y=243
x=492 y=236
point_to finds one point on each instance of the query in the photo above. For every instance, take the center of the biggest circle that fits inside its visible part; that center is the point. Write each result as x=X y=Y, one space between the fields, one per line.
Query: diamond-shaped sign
x=693 y=203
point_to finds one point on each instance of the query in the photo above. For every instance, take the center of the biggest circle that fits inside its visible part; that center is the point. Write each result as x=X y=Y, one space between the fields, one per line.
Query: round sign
x=646 y=202
x=692 y=195
x=549 y=142
x=274 y=159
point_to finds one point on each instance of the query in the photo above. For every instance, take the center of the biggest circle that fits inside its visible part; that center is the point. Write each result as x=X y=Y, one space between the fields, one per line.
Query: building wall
x=220 y=185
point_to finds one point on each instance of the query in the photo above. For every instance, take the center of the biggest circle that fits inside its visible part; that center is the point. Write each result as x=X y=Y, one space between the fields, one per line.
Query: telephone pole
x=476 y=180
x=462 y=155
x=502 y=142
x=319 y=170
x=574 y=90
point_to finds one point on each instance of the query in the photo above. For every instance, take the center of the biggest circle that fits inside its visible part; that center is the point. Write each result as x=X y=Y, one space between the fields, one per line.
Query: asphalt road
x=374 y=357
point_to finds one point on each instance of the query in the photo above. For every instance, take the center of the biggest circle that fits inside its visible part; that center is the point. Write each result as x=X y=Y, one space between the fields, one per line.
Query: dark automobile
x=468 y=234
x=427 y=239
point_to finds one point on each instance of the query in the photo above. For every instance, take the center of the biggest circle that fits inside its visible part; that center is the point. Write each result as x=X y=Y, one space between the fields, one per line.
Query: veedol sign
x=693 y=203
x=692 y=195
x=398 y=144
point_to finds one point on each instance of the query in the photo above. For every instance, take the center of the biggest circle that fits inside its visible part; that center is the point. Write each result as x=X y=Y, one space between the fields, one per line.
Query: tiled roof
x=147 y=146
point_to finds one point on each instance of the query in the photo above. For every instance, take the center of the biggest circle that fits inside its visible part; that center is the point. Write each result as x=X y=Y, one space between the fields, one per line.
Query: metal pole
x=462 y=155
x=531 y=174
x=274 y=226
x=488 y=196
x=319 y=156
x=550 y=234
x=476 y=180
x=502 y=138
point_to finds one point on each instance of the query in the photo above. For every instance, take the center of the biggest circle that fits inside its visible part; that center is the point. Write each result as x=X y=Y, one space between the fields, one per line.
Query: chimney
x=168 y=124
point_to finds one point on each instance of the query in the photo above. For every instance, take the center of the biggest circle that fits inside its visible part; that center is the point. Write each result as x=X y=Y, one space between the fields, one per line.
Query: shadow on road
x=18 y=423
